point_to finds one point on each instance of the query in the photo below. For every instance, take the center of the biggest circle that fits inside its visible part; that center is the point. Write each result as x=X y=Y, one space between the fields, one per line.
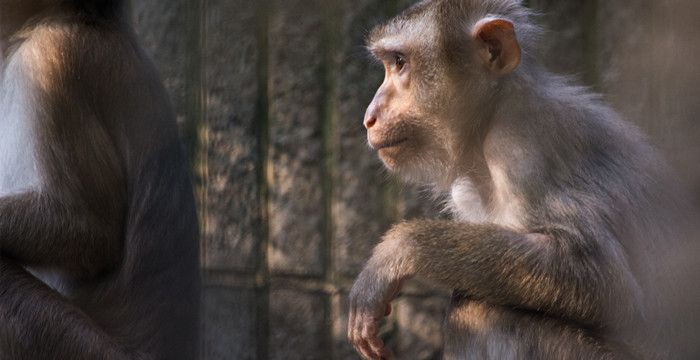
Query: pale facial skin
x=387 y=131
x=405 y=117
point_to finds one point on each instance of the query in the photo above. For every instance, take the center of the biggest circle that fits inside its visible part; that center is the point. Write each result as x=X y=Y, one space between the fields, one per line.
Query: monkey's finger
x=376 y=345
x=387 y=311
x=351 y=325
x=355 y=335
x=363 y=348
x=370 y=334
x=387 y=354
x=378 y=353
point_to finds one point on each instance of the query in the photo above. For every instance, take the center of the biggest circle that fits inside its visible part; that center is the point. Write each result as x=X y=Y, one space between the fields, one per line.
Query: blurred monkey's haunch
x=98 y=230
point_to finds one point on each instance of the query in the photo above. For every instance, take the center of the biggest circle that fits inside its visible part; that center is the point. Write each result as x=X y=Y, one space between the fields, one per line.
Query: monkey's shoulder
x=63 y=48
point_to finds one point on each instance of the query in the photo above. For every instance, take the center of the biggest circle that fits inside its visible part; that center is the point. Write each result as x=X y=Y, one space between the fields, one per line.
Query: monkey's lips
x=388 y=144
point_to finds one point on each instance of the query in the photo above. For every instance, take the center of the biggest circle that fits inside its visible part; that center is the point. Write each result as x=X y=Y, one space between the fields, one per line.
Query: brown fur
x=562 y=261
x=112 y=228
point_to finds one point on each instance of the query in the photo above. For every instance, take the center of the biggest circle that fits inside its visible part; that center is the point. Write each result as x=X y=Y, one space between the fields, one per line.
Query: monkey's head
x=444 y=61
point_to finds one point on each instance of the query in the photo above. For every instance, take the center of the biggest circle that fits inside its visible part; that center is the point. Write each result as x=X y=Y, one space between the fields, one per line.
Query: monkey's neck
x=511 y=107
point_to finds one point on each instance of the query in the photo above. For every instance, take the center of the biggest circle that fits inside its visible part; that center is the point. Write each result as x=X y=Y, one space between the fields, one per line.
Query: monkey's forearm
x=36 y=323
x=38 y=230
x=557 y=275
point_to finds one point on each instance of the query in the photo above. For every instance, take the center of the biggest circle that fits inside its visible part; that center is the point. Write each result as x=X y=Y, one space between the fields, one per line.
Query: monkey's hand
x=370 y=302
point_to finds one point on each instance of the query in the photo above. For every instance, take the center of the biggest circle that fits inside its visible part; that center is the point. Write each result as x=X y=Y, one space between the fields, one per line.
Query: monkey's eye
x=399 y=62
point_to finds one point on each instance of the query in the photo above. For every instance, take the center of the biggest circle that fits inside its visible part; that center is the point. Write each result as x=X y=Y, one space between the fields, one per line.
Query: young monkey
x=561 y=209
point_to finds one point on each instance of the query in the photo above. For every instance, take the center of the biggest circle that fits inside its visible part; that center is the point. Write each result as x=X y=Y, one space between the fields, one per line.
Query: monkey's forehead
x=413 y=25
x=424 y=22
x=428 y=13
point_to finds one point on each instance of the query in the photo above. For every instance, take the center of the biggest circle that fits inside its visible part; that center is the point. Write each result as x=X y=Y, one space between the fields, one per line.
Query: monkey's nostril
x=369 y=123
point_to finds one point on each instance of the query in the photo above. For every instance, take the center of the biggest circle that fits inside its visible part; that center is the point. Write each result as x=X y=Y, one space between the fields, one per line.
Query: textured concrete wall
x=270 y=96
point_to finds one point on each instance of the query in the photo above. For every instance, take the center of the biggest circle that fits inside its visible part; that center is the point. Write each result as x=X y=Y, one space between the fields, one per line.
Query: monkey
x=99 y=254
x=560 y=208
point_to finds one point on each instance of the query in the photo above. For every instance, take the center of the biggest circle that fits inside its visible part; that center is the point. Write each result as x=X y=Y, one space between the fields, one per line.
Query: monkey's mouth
x=390 y=144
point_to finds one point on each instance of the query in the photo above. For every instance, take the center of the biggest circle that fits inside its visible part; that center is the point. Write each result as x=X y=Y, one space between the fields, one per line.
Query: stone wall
x=270 y=97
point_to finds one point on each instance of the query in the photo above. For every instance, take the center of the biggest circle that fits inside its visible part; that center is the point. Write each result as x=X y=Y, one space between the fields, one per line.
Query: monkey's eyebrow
x=388 y=46
x=384 y=53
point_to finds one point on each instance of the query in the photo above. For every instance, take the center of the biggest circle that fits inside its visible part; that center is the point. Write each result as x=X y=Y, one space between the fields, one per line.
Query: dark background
x=270 y=97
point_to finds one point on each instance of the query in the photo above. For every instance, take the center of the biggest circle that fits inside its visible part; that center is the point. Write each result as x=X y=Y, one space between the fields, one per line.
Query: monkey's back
x=589 y=166
x=160 y=271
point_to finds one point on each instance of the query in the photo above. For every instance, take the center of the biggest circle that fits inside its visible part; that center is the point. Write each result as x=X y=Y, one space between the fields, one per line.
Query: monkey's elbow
x=614 y=305
x=626 y=305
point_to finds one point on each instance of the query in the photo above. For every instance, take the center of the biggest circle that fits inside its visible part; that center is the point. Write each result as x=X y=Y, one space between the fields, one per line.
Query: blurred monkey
x=98 y=229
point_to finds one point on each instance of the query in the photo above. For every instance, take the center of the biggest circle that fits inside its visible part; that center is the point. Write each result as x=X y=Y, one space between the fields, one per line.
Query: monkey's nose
x=370 y=121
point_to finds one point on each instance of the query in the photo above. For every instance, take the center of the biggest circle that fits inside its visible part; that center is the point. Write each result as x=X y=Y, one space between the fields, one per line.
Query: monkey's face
x=390 y=129
x=438 y=82
x=402 y=121
x=408 y=121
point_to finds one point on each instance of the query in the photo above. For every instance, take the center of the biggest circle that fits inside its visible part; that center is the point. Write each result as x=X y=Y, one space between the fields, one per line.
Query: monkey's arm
x=39 y=229
x=560 y=273
x=36 y=323
x=74 y=220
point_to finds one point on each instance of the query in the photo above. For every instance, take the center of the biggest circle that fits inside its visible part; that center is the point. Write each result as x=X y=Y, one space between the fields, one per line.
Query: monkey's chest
x=19 y=169
x=466 y=204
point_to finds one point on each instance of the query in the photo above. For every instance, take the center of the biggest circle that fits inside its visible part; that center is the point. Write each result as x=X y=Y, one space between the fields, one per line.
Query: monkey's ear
x=498 y=45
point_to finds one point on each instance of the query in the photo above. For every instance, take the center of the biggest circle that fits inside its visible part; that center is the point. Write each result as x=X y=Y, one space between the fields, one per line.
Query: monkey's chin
x=392 y=158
